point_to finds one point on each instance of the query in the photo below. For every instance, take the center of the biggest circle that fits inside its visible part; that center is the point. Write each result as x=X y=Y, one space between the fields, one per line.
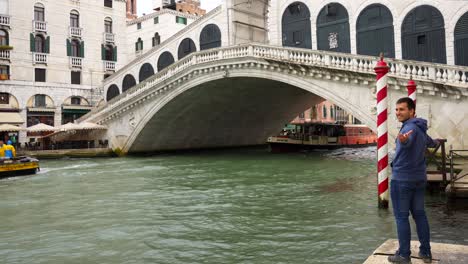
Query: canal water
x=236 y=206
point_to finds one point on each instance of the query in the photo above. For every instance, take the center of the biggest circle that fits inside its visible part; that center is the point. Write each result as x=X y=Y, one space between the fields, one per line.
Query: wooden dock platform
x=460 y=186
x=441 y=253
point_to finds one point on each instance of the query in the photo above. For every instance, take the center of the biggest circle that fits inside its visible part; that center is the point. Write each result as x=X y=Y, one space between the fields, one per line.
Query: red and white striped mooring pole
x=411 y=86
x=381 y=69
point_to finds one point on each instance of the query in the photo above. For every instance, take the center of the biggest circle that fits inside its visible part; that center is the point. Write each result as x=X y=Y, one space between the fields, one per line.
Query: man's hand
x=404 y=137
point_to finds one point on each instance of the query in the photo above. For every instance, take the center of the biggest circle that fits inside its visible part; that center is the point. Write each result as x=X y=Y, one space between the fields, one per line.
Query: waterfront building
x=54 y=56
x=326 y=112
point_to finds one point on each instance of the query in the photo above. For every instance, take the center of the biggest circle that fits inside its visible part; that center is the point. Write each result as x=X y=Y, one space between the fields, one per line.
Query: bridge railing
x=444 y=74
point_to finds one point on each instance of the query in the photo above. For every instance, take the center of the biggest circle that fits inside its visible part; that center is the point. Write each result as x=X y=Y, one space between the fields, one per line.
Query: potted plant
x=6 y=47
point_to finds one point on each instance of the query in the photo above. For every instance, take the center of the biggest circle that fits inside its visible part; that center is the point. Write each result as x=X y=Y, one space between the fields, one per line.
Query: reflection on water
x=245 y=206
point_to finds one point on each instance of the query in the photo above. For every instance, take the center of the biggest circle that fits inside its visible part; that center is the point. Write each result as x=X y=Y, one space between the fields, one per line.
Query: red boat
x=310 y=136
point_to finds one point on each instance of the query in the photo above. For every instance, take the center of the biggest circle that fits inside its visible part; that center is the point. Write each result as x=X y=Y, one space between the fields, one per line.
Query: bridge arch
x=375 y=32
x=128 y=82
x=146 y=71
x=165 y=59
x=461 y=41
x=333 y=28
x=112 y=92
x=186 y=47
x=210 y=37
x=423 y=35
x=296 y=27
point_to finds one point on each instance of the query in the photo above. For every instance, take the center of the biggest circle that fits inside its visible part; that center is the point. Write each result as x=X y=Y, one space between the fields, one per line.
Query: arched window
x=128 y=82
x=74 y=19
x=461 y=41
x=333 y=28
x=146 y=71
x=375 y=31
x=75 y=48
x=39 y=44
x=39 y=13
x=156 y=39
x=4 y=37
x=296 y=26
x=165 y=60
x=139 y=45
x=108 y=25
x=186 y=47
x=109 y=53
x=423 y=35
x=324 y=111
x=112 y=92
x=210 y=37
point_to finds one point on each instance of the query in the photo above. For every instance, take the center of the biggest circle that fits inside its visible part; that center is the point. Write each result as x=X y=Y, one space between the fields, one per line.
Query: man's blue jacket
x=409 y=163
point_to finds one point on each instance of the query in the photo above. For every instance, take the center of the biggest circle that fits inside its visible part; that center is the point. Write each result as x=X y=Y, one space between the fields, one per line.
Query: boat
x=311 y=136
x=18 y=166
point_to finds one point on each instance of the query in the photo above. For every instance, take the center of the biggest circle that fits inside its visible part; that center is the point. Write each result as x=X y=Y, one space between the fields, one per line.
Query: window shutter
x=141 y=46
x=68 y=48
x=115 y=53
x=47 y=45
x=32 y=42
x=82 y=49
x=153 y=41
x=103 y=52
x=136 y=46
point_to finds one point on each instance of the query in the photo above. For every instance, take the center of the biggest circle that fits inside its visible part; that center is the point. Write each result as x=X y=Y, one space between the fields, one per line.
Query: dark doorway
x=186 y=47
x=423 y=35
x=165 y=60
x=296 y=27
x=146 y=71
x=112 y=92
x=333 y=29
x=375 y=32
x=128 y=82
x=210 y=37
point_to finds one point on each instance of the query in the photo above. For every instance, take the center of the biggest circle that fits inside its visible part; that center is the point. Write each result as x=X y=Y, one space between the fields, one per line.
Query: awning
x=41 y=109
x=9 y=128
x=10 y=118
x=77 y=107
x=41 y=128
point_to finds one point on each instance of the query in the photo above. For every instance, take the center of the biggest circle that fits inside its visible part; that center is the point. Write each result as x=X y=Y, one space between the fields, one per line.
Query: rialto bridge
x=239 y=82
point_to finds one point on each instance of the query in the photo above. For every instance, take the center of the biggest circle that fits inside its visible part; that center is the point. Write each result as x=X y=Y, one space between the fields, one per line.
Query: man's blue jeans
x=408 y=197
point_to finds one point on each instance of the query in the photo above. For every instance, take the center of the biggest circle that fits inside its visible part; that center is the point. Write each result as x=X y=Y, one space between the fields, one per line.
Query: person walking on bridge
x=409 y=179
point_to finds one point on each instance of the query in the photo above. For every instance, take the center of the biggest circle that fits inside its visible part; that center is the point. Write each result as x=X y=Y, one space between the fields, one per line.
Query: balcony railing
x=40 y=58
x=4 y=54
x=109 y=37
x=109 y=65
x=76 y=62
x=75 y=32
x=4 y=20
x=39 y=25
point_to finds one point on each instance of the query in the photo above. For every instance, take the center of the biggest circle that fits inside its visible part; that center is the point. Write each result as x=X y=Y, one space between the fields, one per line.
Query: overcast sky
x=145 y=6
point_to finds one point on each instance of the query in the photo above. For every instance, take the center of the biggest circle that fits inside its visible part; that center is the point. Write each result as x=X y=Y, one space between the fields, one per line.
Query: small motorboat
x=18 y=166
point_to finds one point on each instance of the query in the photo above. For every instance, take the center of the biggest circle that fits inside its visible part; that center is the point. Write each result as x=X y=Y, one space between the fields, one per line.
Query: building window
x=4 y=72
x=156 y=39
x=3 y=38
x=324 y=111
x=76 y=100
x=74 y=19
x=39 y=44
x=40 y=75
x=156 y=20
x=108 y=25
x=4 y=98
x=139 y=45
x=75 y=48
x=181 y=20
x=39 y=100
x=109 y=53
x=39 y=12
x=138 y=25
x=75 y=78
x=108 y=3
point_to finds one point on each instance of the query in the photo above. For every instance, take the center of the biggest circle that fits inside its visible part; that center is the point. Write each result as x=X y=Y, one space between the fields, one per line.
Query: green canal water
x=236 y=206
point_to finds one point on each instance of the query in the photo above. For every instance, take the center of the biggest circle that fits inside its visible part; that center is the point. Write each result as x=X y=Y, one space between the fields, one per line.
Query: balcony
x=4 y=54
x=109 y=66
x=4 y=20
x=39 y=26
x=109 y=37
x=75 y=32
x=40 y=58
x=76 y=62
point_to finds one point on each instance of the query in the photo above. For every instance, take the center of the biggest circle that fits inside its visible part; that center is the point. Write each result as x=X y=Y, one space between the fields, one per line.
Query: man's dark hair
x=409 y=102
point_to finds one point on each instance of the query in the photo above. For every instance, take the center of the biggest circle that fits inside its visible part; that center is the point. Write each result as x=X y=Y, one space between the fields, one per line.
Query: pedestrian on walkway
x=409 y=179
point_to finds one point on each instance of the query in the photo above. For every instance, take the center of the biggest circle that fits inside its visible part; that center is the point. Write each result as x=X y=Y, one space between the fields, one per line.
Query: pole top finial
x=381 y=56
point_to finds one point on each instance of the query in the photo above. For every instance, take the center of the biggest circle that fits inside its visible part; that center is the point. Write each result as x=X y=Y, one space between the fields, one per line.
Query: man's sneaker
x=398 y=259
x=425 y=258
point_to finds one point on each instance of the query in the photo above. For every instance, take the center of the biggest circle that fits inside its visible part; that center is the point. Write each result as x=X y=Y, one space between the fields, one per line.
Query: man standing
x=10 y=151
x=408 y=183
